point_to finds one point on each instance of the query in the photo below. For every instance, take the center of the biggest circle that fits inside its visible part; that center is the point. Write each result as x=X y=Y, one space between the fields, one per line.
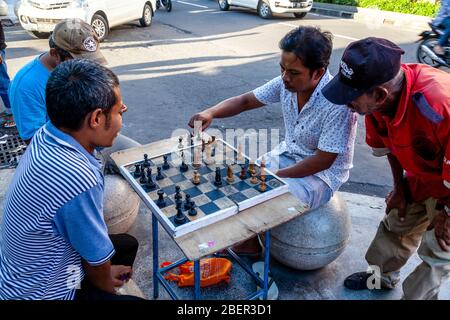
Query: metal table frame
x=158 y=273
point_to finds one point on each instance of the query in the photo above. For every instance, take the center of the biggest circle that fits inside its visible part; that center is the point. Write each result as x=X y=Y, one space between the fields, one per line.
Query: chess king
x=317 y=153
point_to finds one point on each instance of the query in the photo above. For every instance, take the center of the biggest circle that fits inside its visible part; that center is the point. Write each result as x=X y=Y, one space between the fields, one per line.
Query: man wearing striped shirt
x=53 y=233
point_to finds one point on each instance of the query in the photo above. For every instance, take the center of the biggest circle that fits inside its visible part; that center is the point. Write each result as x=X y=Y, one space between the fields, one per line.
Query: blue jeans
x=310 y=190
x=443 y=40
x=4 y=82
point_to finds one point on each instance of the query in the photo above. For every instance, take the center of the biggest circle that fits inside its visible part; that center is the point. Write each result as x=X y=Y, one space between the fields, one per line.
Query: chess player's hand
x=396 y=199
x=205 y=117
x=1 y=60
x=441 y=226
x=120 y=274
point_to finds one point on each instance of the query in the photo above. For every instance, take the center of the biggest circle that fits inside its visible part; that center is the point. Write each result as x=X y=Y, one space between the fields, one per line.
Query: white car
x=39 y=17
x=266 y=8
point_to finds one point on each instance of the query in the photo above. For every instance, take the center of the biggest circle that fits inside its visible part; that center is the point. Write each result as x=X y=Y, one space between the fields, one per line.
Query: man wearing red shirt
x=407 y=113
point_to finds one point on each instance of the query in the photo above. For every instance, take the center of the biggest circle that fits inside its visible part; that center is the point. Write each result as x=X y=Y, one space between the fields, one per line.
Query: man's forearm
x=306 y=167
x=100 y=276
x=397 y=170
x=234 y=106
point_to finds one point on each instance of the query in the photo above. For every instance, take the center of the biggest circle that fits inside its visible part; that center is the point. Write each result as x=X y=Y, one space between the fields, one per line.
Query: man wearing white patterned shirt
x=317 y=153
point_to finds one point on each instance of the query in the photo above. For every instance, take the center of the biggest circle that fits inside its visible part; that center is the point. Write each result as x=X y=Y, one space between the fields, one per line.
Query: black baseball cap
x=365 y=64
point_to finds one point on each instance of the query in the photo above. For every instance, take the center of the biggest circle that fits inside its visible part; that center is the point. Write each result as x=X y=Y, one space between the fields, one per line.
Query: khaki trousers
x=396 y=241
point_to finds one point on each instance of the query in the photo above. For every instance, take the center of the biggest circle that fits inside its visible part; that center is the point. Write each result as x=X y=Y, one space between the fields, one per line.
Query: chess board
x=212 y=202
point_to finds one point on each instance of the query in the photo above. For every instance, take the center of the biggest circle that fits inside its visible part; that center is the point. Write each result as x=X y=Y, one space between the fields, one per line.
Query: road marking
x=192 y=4
x=202 y=11
x=334 y=34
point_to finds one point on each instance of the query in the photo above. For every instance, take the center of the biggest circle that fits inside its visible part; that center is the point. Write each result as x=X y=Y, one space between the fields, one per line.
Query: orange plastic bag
x=212 y=271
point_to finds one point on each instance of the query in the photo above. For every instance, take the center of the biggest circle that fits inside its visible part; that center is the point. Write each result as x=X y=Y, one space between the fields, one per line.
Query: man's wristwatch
x=447 y=210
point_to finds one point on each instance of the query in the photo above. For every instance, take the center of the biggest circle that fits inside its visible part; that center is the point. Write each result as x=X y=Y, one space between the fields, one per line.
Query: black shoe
x=357 y=281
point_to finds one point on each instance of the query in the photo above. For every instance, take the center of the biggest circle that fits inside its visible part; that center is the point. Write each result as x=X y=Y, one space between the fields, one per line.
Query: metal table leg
x=266 y=264
x=155 y=257
x=197 y=279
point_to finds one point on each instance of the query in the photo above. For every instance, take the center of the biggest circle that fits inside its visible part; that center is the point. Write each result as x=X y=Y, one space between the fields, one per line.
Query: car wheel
x=264 y=10
x=147 y=16
x=300 y=15
x=41 y=35
x=100 y=26
x=224 y=5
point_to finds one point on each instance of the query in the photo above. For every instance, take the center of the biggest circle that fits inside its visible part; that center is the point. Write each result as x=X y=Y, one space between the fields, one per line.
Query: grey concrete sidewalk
x=366 y=213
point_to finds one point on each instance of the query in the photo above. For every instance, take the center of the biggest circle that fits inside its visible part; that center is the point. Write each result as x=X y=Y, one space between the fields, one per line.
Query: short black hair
x=75 y=89
x=311 y=45
x=63 y=54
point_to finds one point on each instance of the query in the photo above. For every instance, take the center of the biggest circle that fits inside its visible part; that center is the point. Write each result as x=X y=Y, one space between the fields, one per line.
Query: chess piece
x=196 y=178
x=150 y=184
x=178 y=195
x=230 y=176
x=251 y=168
x=183 y=167
x=243 y=174
x=179 y=218
x=199 y=135
x=262 y=186
x=160 y=202
x=159 y=176
x=187 y=202
x=208 y=158
x=218 y=178
x=137 y=170
x=191 y=140
x=240 y=155
x=254 y=180
x=146 y=162
x=192 y=212
x=166 y=165
x=197 y=158
x=143 y=179
x=180 y=143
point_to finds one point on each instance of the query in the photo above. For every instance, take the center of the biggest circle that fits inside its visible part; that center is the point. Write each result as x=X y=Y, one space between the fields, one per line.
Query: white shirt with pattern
x=319 y=125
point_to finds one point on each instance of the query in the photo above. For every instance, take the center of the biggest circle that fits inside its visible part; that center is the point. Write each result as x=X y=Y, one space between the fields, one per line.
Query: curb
x=372 y=16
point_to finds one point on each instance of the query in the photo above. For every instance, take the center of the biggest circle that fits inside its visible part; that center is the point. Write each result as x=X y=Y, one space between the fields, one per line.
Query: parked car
x=266 y=8
x=39 y=17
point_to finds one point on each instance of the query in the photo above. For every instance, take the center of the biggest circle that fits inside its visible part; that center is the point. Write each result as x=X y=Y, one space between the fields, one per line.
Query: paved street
x=196 y=56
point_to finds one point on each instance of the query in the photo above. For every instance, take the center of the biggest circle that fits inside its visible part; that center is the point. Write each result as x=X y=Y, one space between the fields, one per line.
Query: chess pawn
x=183 y=167
x=230 y=176
x=179 y=218
x=143 y=178
x=243 y=174
x=137 y=170
x=146 y=162
x=160 y=202
x=187 y=203
x=180 y=143
x=197 y=158
x=254 y=179
x=240 y=156
x=251 y=168
x=196 y=178
x=262 y=186
x=150 y=183
x=159 y=176
x=218 y=178
x=166 y=164
x=208 y=158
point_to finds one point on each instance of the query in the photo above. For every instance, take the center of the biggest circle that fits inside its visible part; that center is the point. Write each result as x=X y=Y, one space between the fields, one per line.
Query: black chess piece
x=160 y=202
x=243 y=174
x=150 y=184
x=146 y=162
x=183 y=167
x=166 y=164
x=137 y=170
x=178 y=195
x=218 y=179
x=192 y=211
x=179 y=218
x=159 y=176
x=143 y=179
x=187 y=203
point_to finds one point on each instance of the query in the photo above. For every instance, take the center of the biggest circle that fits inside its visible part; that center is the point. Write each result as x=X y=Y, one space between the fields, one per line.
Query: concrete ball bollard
x=121 y=204
x=314 y=239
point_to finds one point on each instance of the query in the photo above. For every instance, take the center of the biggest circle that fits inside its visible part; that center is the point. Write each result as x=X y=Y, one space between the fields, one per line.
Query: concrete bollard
x=314 y=239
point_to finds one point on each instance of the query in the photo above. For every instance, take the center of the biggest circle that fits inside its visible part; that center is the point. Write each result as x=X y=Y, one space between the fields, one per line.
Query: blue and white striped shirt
x=53 y=218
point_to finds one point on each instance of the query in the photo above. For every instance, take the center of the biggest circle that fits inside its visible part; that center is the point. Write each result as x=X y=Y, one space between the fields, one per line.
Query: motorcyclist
x=443 y=19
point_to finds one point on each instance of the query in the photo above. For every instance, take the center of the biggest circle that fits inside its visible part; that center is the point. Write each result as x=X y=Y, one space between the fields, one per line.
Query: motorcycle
x=425 y=53
x=164 y=4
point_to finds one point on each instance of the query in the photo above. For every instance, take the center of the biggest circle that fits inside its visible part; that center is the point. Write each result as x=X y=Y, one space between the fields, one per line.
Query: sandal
x=9 y=124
